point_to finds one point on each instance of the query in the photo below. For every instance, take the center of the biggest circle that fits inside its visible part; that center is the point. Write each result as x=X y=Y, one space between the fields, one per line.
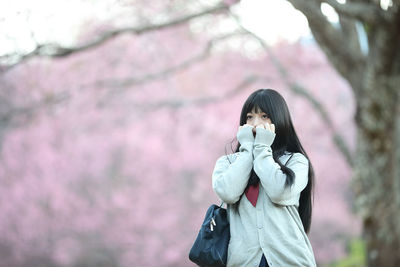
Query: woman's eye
x=265 y=116
x=249 y=117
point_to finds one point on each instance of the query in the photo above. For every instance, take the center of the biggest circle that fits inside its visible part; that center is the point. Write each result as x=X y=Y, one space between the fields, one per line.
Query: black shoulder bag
x=211 y=246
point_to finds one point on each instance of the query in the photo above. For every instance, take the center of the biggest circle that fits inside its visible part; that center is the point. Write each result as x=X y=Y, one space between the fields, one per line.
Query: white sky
x=61 y=20
x=273 y=20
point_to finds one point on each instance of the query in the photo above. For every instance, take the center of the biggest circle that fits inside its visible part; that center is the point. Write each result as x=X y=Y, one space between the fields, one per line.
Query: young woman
x=267 y=185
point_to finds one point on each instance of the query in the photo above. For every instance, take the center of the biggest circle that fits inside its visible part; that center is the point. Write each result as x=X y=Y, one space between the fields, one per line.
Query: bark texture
x=374 y=76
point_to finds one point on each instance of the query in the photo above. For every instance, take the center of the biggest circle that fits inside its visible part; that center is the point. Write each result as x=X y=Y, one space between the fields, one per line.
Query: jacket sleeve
x=229 y=180
x=271 y=176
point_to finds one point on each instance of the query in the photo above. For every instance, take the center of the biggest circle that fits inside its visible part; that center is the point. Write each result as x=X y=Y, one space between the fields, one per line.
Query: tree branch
x=300 y=90
x=7 y=117
x=338 y=140
x=346 y=60
x=55 y=50
x=245 y=83
x=364 y=12
x=118 y=84
x=349 y=30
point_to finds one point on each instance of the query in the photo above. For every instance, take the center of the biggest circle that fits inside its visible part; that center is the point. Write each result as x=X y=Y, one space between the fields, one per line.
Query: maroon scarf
x=252 y=193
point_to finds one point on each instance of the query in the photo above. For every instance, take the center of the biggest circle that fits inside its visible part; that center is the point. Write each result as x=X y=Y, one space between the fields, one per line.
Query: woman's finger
x=245 y=125
x=270 y=127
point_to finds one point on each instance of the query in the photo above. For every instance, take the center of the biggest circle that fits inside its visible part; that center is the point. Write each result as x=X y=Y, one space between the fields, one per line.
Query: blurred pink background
x=107 y=154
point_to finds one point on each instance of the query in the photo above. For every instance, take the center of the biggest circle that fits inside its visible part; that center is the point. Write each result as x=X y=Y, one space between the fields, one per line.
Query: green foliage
x=356 y=256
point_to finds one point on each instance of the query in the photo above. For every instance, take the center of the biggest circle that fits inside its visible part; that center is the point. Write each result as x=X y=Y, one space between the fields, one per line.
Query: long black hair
x=286 y=140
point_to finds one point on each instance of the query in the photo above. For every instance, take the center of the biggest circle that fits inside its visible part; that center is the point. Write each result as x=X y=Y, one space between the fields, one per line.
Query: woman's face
x=254 y=119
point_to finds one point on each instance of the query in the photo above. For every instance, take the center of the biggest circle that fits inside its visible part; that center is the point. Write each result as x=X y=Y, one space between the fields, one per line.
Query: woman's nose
x=256 y=121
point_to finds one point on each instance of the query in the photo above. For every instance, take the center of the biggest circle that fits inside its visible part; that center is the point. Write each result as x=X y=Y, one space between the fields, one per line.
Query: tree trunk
x=376 y=180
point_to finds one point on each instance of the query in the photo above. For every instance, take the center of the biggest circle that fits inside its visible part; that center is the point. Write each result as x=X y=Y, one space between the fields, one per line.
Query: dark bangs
x=261 y=101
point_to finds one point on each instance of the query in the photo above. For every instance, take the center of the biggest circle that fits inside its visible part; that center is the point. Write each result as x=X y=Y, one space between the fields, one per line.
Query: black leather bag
x=211 y=246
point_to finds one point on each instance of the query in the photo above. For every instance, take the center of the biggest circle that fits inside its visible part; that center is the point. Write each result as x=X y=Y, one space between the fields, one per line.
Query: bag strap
x=227 y=210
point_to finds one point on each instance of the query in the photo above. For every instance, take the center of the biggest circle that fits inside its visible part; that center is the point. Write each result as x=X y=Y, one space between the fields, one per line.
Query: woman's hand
x=244 y=134
x=245 y=125
x=267 y=126
x=265 y=137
